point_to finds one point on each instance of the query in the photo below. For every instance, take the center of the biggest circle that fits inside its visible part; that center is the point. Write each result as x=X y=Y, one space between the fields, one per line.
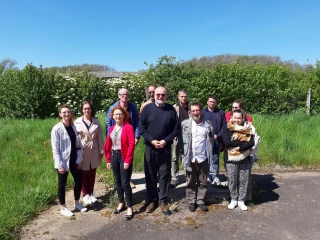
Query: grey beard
x=160 y=102
x=196 y=119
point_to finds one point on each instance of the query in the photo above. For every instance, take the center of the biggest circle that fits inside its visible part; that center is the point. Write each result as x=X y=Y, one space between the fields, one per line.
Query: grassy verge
x=288 y=140
x=27 y=177
x=28 y=180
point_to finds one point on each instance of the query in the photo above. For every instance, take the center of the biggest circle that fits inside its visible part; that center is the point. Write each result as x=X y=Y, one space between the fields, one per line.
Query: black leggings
x=62 y=182
x=122 y=177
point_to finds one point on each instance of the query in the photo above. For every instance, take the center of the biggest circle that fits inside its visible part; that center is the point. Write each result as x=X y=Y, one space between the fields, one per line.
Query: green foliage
x=246 y=59
x=27 y=93
x=74 y=88
x=266 y=88
x=272 y=88
x=83 y=67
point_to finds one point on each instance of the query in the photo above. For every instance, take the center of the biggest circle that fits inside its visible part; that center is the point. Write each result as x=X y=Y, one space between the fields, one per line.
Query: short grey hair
x=123 y=89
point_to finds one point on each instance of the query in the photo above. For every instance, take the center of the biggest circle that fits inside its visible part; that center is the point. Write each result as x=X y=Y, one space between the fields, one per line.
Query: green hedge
x=268 y=89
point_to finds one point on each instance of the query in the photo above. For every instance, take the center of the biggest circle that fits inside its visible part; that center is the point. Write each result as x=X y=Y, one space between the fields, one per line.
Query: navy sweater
x=158 y=123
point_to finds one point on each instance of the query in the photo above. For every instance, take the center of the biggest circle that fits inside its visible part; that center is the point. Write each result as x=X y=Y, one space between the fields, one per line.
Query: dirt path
x=282 y=198
x=51 y=225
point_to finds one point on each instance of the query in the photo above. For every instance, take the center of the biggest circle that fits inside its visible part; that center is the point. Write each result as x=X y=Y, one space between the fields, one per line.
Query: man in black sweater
x=158 y=126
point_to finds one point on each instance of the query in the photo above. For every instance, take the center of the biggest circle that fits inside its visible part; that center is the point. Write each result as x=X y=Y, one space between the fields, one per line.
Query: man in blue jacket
x=133 y=119
x=131 y=109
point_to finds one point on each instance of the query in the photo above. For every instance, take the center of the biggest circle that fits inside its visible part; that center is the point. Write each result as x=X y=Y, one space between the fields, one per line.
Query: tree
x=7 y=63
x=84 y=67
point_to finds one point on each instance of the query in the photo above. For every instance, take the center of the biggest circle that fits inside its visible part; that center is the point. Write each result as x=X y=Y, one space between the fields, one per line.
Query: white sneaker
x=93 y=198
x=242 y=206
x=232 y=204
x=80 y=208
x=208 y=180
x=87 y=200
x=66 y=212
x=216 y=181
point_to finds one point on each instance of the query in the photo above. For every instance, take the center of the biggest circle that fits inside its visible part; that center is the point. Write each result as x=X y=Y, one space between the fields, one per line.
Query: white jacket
x=61 y=146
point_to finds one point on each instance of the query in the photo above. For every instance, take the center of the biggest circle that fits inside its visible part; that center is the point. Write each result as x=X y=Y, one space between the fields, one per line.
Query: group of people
x=77 y=147
x=183 y=130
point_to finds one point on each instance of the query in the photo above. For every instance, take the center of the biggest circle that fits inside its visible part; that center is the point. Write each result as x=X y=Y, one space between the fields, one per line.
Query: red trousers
x=88 y=180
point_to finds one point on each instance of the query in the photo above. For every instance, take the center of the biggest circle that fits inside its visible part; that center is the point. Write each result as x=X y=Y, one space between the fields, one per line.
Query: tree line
x=275 y=88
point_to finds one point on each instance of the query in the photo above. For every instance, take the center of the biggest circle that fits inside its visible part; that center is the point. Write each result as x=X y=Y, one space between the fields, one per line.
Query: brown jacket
x=144 y=104
x=92 y=142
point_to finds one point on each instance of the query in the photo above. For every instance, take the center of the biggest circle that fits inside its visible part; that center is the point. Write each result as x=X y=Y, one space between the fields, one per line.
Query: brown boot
x=151 y=207
x=165 y=209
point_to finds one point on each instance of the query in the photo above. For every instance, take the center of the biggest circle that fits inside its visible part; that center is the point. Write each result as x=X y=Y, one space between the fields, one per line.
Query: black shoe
x=129 y=217
x=165 y=209
x=203 y=207
x=173 y=184
x=119 y=211
x=167 y=212
x=192 y=207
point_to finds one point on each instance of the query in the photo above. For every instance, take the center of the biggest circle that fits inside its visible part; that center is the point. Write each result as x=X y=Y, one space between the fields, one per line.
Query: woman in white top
x=67 y=155
x=90 y=133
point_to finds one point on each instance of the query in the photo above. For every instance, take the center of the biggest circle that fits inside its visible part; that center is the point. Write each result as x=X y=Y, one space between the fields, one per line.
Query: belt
x=116 y=151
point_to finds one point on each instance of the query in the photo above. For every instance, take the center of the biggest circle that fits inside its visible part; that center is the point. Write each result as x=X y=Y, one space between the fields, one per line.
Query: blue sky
x=125 y=34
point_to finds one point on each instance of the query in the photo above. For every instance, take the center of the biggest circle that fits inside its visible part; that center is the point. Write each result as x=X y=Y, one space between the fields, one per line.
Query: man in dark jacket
x=217 y=118
x=182 y=110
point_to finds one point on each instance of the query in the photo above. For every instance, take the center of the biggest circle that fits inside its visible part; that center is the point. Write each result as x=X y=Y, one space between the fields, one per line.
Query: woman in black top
x=67 y=155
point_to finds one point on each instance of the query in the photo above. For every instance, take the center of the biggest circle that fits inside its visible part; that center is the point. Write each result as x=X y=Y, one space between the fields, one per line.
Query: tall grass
x=286 y=141
x=289 y=140
x=28 y=180
x=27 y=177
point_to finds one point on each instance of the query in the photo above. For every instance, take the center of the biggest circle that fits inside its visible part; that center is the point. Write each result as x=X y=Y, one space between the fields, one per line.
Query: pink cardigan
x=127 y=144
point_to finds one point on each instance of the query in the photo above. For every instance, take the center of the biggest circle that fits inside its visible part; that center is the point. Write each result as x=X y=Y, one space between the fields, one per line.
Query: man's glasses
x=123 y=94
x=161 y=94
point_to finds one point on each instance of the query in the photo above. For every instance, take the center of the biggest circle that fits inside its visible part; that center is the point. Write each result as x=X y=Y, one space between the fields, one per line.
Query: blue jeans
x=214 y=164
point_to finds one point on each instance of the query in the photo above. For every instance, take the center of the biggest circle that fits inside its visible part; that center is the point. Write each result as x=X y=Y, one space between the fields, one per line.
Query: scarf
x=243 y=134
